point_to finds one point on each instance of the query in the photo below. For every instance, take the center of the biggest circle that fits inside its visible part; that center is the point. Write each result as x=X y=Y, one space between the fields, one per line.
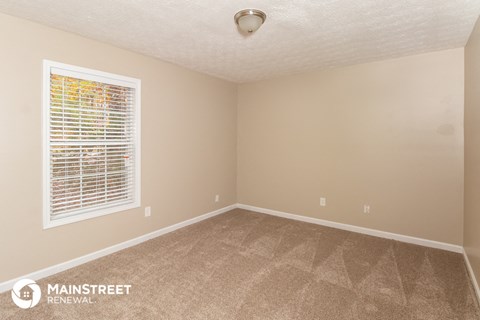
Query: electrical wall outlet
x=323 y=202
x=148 y=211
x=366 y=208
x=217 y=198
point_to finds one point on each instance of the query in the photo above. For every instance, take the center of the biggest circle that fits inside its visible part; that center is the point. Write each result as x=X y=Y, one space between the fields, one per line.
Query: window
x=91 y=143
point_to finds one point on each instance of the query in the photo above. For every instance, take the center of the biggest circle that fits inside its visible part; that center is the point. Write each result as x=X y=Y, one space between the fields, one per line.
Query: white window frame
x=99 y=76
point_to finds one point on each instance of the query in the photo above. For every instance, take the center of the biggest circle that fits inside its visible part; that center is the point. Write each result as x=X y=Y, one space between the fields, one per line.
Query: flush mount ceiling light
x=249 y=20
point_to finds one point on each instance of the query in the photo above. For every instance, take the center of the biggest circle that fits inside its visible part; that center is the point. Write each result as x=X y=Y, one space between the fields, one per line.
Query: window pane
x=92 y=150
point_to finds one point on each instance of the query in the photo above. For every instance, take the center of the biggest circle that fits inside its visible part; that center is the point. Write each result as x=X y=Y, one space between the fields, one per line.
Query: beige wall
x=388 y=134
x=188 y=146
x=472 y=150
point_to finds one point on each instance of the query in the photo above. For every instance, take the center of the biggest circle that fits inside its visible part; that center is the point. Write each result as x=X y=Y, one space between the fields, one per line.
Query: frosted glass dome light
x=249 y=20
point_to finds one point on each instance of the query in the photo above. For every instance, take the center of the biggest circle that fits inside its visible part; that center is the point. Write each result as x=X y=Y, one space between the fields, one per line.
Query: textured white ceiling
x=298 y=34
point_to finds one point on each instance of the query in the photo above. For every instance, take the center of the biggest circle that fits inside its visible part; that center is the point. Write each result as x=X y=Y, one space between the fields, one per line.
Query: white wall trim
x=7 y=285
x=472 y=275
x=348 y=227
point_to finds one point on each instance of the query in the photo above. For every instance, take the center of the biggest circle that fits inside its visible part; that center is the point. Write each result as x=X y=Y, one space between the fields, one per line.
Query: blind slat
x=92 y=143
x=78 y=108
x=60 y=203
x=89 y=204
x=77 y=210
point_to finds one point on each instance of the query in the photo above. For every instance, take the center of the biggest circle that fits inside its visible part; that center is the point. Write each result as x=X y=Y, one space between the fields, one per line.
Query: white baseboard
x=348 y=227
x=472 y=275
x=7 y=285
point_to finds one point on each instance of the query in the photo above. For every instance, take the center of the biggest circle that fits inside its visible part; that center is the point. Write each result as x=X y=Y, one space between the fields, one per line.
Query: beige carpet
x=243 y=265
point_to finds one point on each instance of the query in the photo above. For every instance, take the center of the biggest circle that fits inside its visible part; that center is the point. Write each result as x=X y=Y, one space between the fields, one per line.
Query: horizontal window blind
x=91 y=137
